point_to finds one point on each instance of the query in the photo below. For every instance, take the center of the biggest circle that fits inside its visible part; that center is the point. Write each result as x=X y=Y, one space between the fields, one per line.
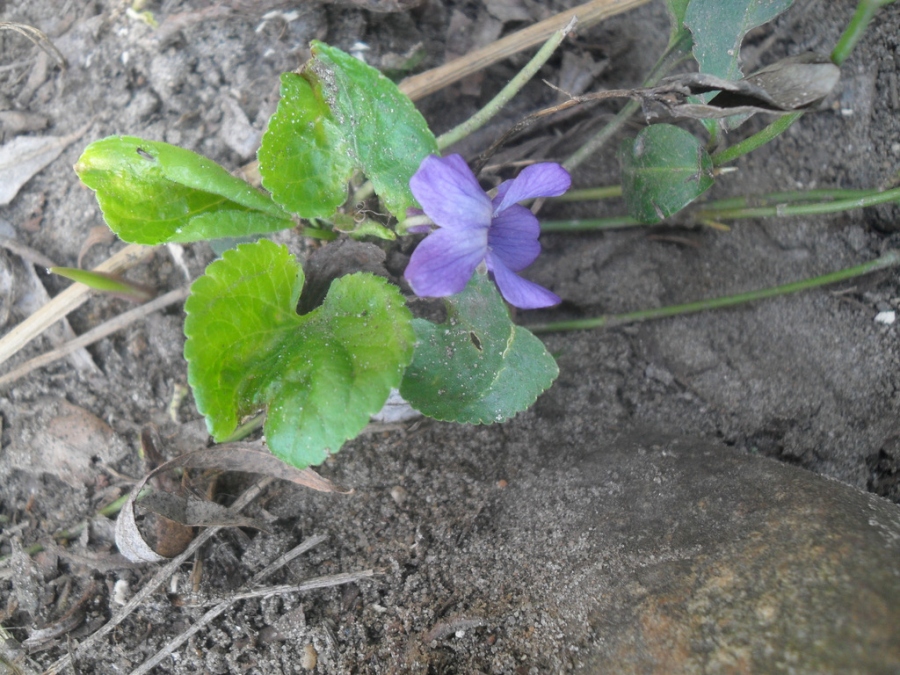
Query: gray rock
x=681 y=556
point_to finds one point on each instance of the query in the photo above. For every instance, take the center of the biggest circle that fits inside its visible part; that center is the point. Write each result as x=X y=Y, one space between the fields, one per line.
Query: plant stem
x=674 y=55
x=787 y=197
x=889 y=259
x=484 y=115
x=589 y=224
x=865 y=12
x=246 y=429
x=774 y=204
x=868 y=198
x=760 y=138
x=589 y=194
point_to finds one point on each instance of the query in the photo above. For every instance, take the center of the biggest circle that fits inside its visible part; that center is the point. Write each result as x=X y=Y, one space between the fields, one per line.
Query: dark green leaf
x=478 y=367
x=154 y=193
x=663 y=170
x=320 y=375
x=719 y=26
x=304 y=160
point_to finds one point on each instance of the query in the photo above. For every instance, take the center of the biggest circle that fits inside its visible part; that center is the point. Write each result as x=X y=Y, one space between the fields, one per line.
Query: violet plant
x=319 y=376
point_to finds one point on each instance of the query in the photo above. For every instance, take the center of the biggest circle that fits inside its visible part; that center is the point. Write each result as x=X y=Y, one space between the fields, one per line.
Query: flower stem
x=484 y=115
x=890 y=259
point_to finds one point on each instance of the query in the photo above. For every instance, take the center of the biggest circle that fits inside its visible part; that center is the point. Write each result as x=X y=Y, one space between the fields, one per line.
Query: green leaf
x=663 y=170
x=719 y=26
x=155 y=193
x=388 y=135
x=101 y=281
x=677 y=10
x=477 y=367
x=320 y=375
x=305 y=160
x=338 y=116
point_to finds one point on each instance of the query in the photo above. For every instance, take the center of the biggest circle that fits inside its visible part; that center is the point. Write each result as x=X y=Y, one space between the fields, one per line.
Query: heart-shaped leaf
x=155 y=193
x=320 y=375
x=664 y=169
x=338 y=116
x=478 y=367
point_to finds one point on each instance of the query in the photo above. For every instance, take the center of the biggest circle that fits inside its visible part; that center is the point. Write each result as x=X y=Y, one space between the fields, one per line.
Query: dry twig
x=590 y=13
x=95 y=334
x=158 y=580
x=311 y=584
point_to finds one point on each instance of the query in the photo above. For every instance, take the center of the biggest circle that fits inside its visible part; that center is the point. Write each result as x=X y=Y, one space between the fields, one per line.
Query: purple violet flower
x=475 y=228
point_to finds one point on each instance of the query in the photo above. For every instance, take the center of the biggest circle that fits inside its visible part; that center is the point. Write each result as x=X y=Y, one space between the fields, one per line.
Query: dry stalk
x=310 y=584
x=158 y=580
x=95 y=334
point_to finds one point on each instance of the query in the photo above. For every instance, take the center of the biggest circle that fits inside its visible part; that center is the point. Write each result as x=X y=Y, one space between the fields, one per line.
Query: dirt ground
x=810 y=379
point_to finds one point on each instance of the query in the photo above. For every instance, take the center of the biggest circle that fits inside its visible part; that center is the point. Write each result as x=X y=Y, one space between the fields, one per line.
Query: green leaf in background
x=304 y=160
x=320 y=375
x=664 y=169
x=101 y=281
x=388 y=135
x=478 y=367
x=719 y=26
x=155 y=193
x=340 y=116
x=677 y=10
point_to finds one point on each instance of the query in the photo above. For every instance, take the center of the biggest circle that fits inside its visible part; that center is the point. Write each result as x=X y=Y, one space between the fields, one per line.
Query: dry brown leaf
x=791 y=84
x=243 y=457
x=193 y=512
x=24 y=156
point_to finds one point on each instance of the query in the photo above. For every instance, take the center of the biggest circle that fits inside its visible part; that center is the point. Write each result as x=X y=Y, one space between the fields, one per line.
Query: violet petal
x=546 y=179
x=513 y=237
x=444 y=261
x=517 y=291
x=450 y=194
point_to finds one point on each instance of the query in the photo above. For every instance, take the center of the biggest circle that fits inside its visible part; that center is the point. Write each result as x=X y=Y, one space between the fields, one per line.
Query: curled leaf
x=791 y=84
x=243 y=457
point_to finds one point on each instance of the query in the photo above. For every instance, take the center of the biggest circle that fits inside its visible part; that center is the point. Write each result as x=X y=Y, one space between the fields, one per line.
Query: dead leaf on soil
x=242 y=457
x=193 y=512
x=791 y=84
x=24 y=156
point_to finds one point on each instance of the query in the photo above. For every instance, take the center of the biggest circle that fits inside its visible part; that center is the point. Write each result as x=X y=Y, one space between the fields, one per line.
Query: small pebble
x=121 y=591
x=310 y=657
x=887 y=318
x=398 y=494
